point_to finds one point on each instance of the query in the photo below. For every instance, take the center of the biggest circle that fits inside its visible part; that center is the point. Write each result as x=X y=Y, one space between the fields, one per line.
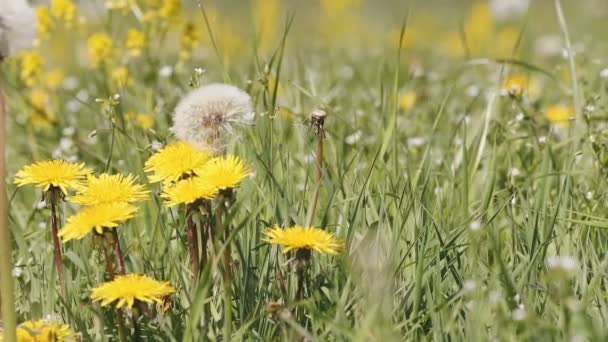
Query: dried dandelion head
x=17 y=27
x=207 y=116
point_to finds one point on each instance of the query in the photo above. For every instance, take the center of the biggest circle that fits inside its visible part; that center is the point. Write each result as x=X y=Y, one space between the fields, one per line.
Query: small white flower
x=207 y=116
x=416 y=141
x=42 y=225
x=589 y=108
x=504 y=10
x=549 y=45
x=589 y=195
x=17 y=27
x=40 y=205
x=116 y=97
x=69 y=131
x=70 y=83
x=353 y=138
x=156 y=145
x=82 y=95
x=604 y=73
x=199 y=71
x=519 y=116
x=472 y=90
x=72 y=159
x=560 y=263
x=165 y=71
x=17 y=272
x=542 y=139
x=475 y=225
x=469 y=285
x=66 y=143
x=514 y=172
x=519 y=314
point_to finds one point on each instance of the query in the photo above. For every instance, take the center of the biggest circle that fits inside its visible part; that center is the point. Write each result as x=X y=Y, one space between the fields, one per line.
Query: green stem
x=6 y=281
x=54 y=195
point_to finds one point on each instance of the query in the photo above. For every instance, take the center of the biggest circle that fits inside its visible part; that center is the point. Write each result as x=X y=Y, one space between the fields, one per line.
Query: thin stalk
x=119 y=256
x=301 y=282
x=54 y=192
x=6 y=281
x=317 y=119
x=136 y=330
x=109 y=265
x=227 y=275
x=192 y=243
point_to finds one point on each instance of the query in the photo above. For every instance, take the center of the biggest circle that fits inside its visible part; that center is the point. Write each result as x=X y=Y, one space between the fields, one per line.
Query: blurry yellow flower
x=109 y=188
x=125 y=290
x=42 y=114
x=135 y=42
x=174 y=162
x=337 y=7
x=120 y=77
x=170 y=8
x=223 y=172
x=560 y=115
x=96 y=218
x=44 y=331
x=407 y=100
x=189 y=40
x=31 y=67
x=267 y=15
x=479 y=27
x=52 y=173
x=100 y=48
x=44 y=21
x=188 y=191
x=64 y=10
x=144 y=121
x=303 y=238
x=516 y=84
x=53 y=79
x=229 y=40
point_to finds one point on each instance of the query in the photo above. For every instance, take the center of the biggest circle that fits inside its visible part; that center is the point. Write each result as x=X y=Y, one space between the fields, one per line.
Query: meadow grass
x=467 y=215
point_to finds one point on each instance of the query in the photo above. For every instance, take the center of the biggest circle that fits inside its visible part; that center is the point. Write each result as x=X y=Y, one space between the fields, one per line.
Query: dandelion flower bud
x=17 y=27
x=207 y=116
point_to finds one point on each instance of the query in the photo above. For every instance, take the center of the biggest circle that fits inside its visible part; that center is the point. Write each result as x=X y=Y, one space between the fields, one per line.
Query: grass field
x=464 y=168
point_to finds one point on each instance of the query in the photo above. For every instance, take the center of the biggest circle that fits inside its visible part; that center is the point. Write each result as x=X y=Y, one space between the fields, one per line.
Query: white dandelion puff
x=207 y=116
x=17 y=27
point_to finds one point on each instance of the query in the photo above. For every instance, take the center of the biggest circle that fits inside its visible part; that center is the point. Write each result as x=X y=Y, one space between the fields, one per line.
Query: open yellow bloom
x=52 y=173
x=223 y=172
x=109 y=188
x=175 y=161
x=125 y=290
x=43 y=20
x=96 y=218
x=100 y=48
x=303 y=238
x=44 y=331
x=560 y=115
x=31 y=67
x=170 y=8
x=407 y=100
x=144 y=121
x=135 y=42
x=516 y=84
x=188 y=191
x=64 y=11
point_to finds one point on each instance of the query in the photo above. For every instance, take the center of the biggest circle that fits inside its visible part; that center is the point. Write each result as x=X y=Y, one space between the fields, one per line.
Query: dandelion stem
x=119 y=255
x=227 y=275
x=136 y=329
x=7 y=304
x=54 y=192
x=109 y=265
x=192 y=243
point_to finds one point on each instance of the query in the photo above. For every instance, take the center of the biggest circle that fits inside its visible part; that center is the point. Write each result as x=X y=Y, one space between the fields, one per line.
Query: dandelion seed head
x=207 y=117
x=17 y=27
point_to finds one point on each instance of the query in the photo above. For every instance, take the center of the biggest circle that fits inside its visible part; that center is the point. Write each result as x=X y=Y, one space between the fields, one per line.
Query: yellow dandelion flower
x=53 y=79
x=125 y=290
x=120 y=77
x=96 y=218
x=559 y=114
x=64 y=10
x=44 y=331
x=516 y=84
x=100 y=48
x=44 y=21
x=407 y=100
x=144 y=121
x=109 y=188
x=306 y=238
x=188 y=191
x=42 y=116
x=135 y=42
x=174 y=162
x=170 y=8
x=338 y=7
x=224 y=172
x=53 y=173
x=31 y=67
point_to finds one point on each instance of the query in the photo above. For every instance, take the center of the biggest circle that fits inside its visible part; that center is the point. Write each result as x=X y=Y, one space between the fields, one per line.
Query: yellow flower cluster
x=100 y=49
x=63 y=12
x=44 y=331
x=189 y=174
